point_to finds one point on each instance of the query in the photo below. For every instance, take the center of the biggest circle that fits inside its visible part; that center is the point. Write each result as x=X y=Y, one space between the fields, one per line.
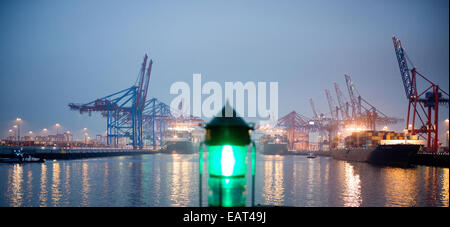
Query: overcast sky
x=57 y=52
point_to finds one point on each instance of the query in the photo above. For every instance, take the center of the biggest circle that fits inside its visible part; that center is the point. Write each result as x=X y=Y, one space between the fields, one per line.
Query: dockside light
x=227 y=139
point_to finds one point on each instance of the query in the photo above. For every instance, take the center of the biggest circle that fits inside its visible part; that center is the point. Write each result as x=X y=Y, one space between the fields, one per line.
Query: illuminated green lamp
x=227 y=137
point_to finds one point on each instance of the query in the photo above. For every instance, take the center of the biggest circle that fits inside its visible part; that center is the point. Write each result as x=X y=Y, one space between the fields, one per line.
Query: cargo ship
x=183 y=136
x=179 y=143
x=274 y=146
x=379 y=147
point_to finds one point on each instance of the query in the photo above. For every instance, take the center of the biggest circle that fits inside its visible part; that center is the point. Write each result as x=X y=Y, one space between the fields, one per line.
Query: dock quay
x=52 y=153
x=432 y=159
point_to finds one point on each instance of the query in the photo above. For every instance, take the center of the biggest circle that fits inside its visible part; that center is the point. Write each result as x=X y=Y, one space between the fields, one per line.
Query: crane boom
x=355 y=100
x=341 y=101
x=147 y=80
x=404 y=71
x=332 y=105
x=316 y=116
x=141 y=81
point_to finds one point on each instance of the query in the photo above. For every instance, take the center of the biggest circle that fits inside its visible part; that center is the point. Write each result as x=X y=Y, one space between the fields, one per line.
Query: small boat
x=311 y=155
x=18 y=157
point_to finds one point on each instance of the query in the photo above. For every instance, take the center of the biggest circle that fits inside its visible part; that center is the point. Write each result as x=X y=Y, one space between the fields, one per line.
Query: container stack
x=374 y=138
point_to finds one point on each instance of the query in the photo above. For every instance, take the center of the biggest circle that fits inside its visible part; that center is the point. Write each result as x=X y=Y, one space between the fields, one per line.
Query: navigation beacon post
x=227 y=139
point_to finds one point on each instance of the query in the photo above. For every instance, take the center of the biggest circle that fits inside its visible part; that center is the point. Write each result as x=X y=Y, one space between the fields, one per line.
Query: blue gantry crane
x=155 y=117
x=123 y=109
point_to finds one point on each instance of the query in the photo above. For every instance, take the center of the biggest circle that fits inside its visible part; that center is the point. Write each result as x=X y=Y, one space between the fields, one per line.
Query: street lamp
x=10 y=133
x=227 y=139
x=85 y=137
x=57 y=126
x=67 y=134
x=19 y=120
x=85 y=134
x=16 y=127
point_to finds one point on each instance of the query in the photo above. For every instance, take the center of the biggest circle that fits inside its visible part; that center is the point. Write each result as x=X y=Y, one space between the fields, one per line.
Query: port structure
x=423 y=106
x=296 y=126
x=158 y=116
x=155 y=116
x=322 y=124
x=356 y=114
x=123 y=109
x=363 y=113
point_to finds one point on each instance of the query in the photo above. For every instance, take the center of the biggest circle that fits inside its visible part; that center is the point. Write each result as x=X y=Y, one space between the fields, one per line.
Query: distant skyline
x=59 y=52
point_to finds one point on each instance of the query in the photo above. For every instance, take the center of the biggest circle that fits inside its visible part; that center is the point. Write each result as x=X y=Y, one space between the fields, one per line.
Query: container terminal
x=352 y=130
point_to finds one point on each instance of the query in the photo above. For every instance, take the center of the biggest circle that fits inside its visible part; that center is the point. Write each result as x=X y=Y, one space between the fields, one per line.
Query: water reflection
x=29 y=185
x=444 y=191
x=15 y=180
x=273 y=190
x=106 y=178
x=43 y=186
x=400 y=187
x=67 y=186
x=85 y=185
x=352 y=187
x=56 y=194
x=310 y=183
x=172 y=180
x=180 y=181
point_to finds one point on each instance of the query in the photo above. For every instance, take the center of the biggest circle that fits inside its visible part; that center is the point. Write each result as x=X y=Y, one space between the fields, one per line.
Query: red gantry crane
x=297 y=128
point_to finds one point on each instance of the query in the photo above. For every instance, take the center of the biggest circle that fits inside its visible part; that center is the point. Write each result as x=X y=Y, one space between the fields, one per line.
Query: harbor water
x=165 y=180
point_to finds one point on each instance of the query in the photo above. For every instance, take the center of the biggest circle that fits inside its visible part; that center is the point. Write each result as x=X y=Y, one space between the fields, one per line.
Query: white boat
x=311 y=155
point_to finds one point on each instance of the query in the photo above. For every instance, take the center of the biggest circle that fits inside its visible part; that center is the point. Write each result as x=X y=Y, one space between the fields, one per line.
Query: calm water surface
x=172 y=180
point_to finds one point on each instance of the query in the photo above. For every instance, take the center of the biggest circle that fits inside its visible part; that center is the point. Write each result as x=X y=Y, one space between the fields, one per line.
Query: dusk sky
x=58 y=52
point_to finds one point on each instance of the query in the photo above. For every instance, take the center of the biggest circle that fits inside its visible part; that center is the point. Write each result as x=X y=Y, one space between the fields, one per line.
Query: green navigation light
x=226 y=139
x=227 y=161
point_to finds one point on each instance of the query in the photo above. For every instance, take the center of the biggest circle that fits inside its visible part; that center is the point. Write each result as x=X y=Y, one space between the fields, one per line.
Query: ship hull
x=275 y=149
x=179 y=147
x=399 y=154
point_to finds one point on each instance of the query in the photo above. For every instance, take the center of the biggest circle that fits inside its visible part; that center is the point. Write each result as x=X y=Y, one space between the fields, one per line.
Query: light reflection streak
x=444 y=191
x=273 y=190
x=56 y=194
x=157 y=181
x=85 y=187
x=352 y=187
x=180 y=181
x=106 y=179
x=29 y=185
x=401 y=186
x=15 y=185
x=67 y=190
x=43 y=186
x=310 y=183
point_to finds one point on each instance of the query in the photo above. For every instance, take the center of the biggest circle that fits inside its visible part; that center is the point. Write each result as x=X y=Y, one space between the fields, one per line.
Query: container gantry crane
x=343 y=105
x=423 y=106
x=122 y=109
x=158 y=116
x=364 y=113
x=295 y=124
x=334 y=123
x=321 y=123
